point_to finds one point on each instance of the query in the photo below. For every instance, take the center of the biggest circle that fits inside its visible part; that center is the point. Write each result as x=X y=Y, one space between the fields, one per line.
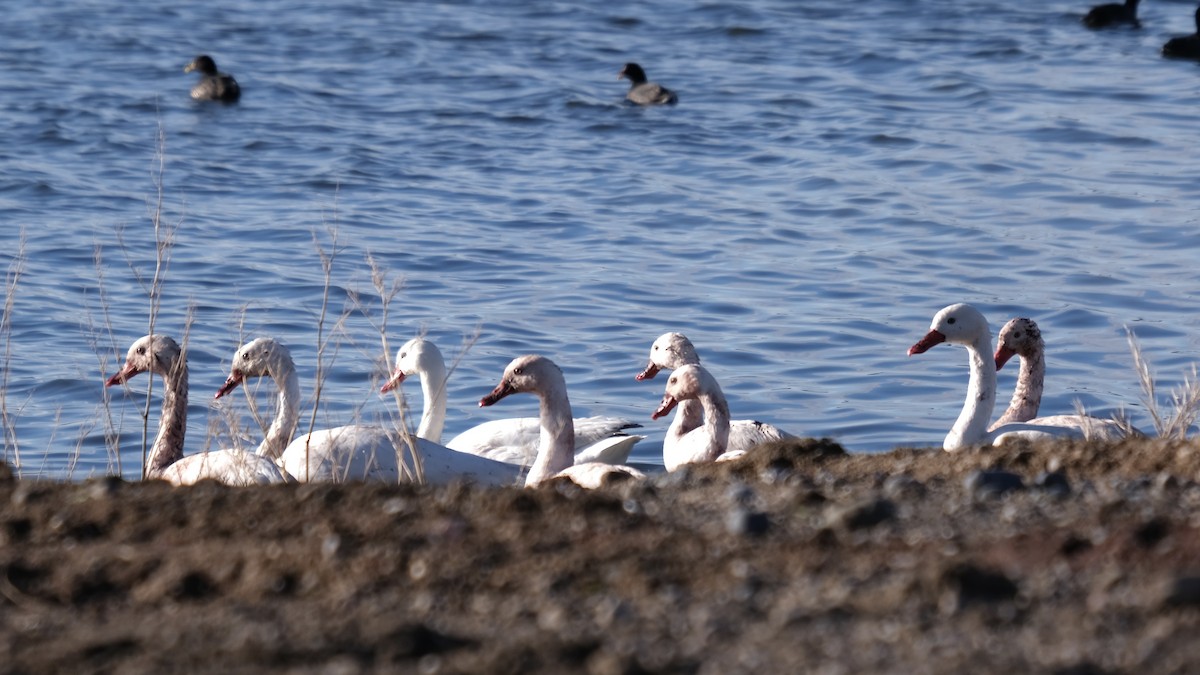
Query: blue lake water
x=833 y=175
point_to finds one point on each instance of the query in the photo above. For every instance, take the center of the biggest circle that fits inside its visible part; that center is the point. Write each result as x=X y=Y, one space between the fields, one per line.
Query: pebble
x=744 y=521
x=863 y=514
x=1054 y=482
x=900 y=486
x=975 y=584
x=993 y=483
x=1183 y=592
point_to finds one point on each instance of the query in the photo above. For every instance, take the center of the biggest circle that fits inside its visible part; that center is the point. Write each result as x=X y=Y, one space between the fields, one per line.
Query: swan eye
x=518 y=371
x=951 y=320
x=141 y=350
x=404 y=355
x=1017 y=335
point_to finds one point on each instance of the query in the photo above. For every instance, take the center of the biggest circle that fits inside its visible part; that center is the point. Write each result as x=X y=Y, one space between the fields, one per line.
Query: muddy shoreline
x=1056 y=558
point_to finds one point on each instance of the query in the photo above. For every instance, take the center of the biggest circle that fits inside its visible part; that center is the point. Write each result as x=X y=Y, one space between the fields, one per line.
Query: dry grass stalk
x=16 y=268
x=1185 y=400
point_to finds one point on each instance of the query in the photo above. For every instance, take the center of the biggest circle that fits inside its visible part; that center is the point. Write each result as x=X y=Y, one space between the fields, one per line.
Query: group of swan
x=514 y=440
x=368 y=452
x=586 y=450
x=963 y=324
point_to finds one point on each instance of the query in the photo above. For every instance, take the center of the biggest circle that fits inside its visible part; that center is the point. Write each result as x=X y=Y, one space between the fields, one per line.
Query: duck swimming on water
x=213 y=85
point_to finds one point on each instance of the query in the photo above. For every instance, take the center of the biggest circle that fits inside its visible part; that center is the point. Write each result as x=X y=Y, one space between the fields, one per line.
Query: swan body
x=963 y=324
x=351 y=452
x=673 y=350
x=513 y=440
x=707 y=442
x=360 y=452
x=540 y=376
x=162 y=355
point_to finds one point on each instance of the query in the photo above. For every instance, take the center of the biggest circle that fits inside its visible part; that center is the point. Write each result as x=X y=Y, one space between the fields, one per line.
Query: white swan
x=162 y=355
x=540 y=376
x=351 y=452
x=963 y=324
x=709 y=441
x=1022 y=337
x=673 y=350
x=513 y=440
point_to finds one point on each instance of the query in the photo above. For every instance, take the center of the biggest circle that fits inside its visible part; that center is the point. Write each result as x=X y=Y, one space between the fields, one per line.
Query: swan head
x=959 y=324
x=261 y=357
x=414 y=357
x=1018 y=336
x=530 y=374
x=687 y=382
x=669 y=351
x=151 y=353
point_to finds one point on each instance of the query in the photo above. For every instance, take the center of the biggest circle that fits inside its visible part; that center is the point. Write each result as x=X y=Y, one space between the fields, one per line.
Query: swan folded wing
x=745 y=434
x=515 y=440
x=442 y=465
x=1091 y=428
x=610 y=450
x=1062 y=426
x=352 y=452
x=231 y=467
x=593 y=475
x=368 y=453
x=1032 y=432
x=512 y=440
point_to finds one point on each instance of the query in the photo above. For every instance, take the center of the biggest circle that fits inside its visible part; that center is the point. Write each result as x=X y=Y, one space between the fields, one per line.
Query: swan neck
x=971 y=426
x=556 y=449
x=1027 y=394
x=172 y=424
x=689 y=415
x=716 y=423
x=286 y=417
x=433 y=388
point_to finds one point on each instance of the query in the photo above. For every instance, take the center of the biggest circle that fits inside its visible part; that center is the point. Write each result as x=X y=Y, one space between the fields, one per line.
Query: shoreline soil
x=1056 y=558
